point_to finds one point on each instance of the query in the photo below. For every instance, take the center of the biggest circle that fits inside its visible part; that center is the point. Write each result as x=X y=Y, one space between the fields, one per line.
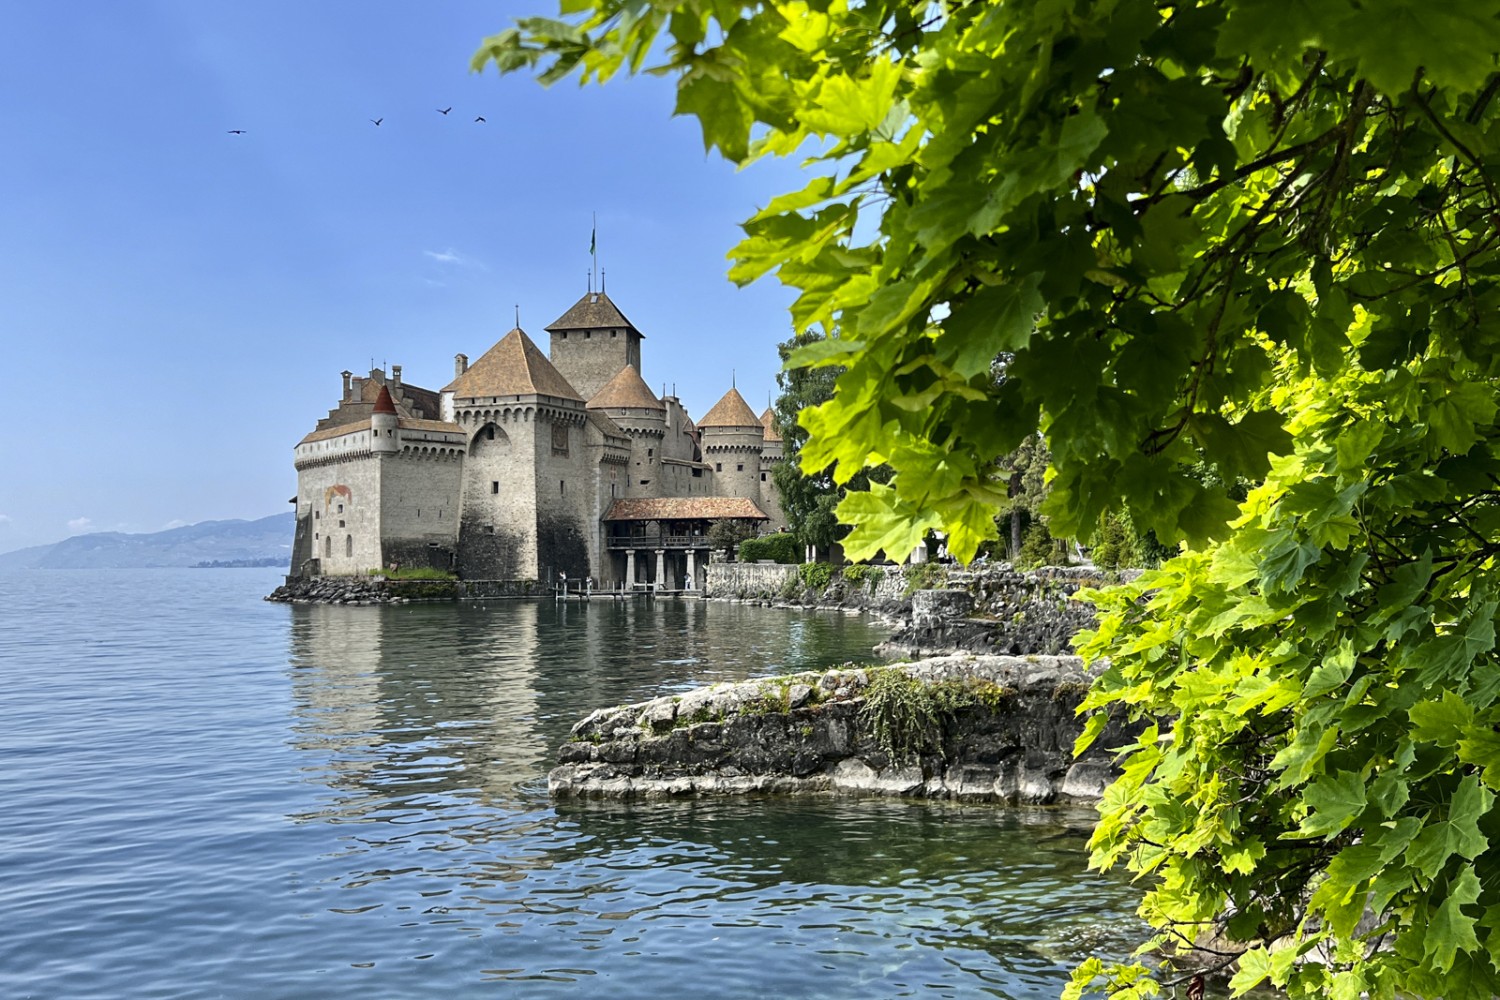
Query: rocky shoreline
x=962 y=727
x=357 y=590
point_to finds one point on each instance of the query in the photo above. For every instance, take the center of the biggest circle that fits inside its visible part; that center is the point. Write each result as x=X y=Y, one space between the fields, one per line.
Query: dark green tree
x=809 y=497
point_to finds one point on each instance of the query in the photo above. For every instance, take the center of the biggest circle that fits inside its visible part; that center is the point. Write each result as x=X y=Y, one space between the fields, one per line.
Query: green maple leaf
x=1336 y=800
x=1450 y=930
x=721 y=113
x=1458 y=835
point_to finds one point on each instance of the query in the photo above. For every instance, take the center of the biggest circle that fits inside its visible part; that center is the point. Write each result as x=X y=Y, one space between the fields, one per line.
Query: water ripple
x=209 y=796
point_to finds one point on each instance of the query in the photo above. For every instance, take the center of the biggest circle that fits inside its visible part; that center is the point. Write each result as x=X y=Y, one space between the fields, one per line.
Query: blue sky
x=176 y=302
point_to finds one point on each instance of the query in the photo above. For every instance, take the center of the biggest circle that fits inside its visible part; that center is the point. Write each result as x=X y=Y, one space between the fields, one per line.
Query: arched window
x=348 y=545
x=327 y=546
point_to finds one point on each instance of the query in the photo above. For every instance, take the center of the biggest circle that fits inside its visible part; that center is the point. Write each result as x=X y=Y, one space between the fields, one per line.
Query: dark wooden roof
x=594 y=311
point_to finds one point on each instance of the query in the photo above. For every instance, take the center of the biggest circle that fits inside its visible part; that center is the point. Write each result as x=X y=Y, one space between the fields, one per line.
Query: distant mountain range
x=265 y=542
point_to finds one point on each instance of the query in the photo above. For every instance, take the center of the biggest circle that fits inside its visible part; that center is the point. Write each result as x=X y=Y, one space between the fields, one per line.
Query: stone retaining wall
x=736 y=579
x=1005 y=735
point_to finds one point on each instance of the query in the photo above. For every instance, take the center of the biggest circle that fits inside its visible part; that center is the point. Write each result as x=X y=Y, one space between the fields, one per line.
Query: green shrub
x=924 y=576
x=1039 y=548
x=861 y=576
x=781 y=547
x=900 y=713
x=816 y=576
x=791 y=587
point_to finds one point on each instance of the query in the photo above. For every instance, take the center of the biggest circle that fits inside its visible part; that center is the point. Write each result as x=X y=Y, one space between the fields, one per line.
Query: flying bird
x=480 y=118
x=444 y=111
x=377 y=121
x=236 y=131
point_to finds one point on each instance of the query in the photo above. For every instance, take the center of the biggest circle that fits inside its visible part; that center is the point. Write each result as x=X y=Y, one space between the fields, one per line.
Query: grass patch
x=908 y=716
x=415 y=573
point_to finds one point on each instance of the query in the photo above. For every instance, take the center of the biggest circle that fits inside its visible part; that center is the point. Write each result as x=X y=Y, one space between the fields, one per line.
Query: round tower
x=733 y=439
x=630 y=403
x=384 y=425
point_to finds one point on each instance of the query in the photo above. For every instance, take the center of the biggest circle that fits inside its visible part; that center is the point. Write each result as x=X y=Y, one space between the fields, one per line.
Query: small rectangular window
x=494 y=486
x=740 y=467
x=718 y=466
x=341 y=508
x=562 y=487
x=341 y=522
x=762 y=477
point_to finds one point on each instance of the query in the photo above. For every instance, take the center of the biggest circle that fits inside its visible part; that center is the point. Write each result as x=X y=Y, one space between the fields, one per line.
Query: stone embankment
x=1000 y=610
x=362 y=590
x=973 y=728
x=993 y=609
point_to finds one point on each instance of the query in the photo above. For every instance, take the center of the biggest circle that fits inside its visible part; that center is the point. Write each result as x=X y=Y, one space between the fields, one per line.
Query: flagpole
x=593 y=252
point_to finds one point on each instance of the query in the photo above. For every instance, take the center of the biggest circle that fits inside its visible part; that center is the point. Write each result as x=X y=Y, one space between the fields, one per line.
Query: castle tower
x=631 y=404
x=384 y=424
x=592 y=341
x=771 y=455
x=519 y=520
x=733 y=440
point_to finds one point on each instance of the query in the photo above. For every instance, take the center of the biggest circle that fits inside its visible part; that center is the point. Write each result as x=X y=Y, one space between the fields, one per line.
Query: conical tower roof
x=768 y=421
x=513 y=367
x=595 y=311
x=731 y=411
x=626 y=389
x=384 y=403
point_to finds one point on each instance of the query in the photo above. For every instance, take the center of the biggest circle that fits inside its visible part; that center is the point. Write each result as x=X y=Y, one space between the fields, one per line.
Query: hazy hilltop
x=206 y=542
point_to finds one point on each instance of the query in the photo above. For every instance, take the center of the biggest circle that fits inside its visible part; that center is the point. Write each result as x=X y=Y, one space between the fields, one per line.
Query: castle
x=530 y=467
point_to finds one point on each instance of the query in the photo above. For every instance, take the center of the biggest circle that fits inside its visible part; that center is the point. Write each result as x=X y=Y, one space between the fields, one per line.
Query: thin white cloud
x=452 y=256
x=176 y=522
x=80 y=523
x=7 y=519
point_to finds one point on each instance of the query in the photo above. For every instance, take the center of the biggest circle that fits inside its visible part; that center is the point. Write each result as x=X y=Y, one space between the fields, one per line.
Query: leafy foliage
x=781 y=547
x=1219 y=241
x=809 y=496
x=727 y=535
x=816 y=576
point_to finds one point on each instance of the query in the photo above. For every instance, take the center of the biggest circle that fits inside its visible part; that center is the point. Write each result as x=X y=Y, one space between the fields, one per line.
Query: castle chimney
x=347 y=375
x=460 y=364
x=396 y=375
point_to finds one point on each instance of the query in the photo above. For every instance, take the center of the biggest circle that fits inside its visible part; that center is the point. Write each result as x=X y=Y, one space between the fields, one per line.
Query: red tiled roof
x=684 y=509
x=384 y=403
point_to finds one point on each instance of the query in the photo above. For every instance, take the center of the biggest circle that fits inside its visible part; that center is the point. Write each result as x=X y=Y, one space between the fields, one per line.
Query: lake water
x=207 y=795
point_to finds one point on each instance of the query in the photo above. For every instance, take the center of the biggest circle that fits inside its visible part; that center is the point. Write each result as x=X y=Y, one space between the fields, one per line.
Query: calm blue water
x=207 y=795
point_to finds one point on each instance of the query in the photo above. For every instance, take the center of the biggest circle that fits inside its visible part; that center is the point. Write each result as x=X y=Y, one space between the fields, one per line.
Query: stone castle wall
x=588 y=359
x=353 y=483
x=419 y=516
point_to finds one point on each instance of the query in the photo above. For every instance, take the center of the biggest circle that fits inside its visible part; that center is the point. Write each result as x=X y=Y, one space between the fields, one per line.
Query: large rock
x=1002 y=730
